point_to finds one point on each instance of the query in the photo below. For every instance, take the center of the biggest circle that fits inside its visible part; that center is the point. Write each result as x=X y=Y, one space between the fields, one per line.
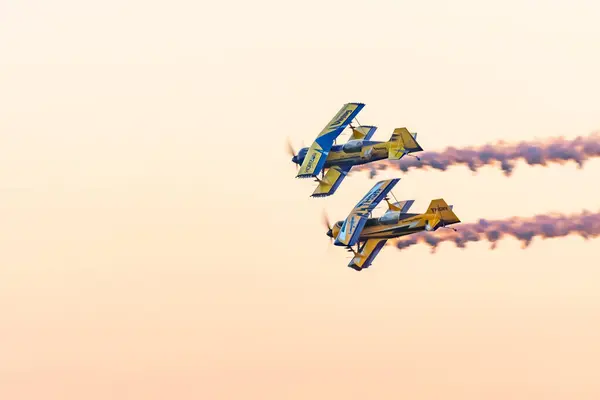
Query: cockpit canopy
x=390 y=218
x=353 y=146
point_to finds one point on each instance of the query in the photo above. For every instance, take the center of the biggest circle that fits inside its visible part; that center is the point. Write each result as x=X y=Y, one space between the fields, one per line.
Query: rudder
x=439 y=206
x=406 y=140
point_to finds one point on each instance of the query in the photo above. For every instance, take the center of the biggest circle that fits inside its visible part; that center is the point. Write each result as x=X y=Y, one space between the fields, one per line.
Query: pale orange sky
x=155 y=243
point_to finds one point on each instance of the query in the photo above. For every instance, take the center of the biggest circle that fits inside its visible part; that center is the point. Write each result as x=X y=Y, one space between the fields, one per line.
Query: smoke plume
x=585 y=224
x=539 y=152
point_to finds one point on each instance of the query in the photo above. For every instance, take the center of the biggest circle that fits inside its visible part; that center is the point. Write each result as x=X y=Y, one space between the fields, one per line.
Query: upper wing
x=352 y=226
x=367 y=254
x=330 y=182
x=318 y=151
x=363 y=132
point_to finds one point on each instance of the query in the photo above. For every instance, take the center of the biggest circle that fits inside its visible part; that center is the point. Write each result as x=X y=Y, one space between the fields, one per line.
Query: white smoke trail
x=540 y=152
x=585 y=224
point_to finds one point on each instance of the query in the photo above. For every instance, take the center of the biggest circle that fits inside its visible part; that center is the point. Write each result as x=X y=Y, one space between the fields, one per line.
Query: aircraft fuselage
x=355 y=152
x=393 y=225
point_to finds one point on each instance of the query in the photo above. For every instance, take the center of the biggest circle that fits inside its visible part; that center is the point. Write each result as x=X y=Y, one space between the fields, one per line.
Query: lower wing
x=330 y=182
x=367 y=254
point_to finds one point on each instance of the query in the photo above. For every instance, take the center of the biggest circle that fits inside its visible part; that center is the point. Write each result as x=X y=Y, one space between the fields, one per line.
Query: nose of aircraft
x=330 y=233
x=295 y=159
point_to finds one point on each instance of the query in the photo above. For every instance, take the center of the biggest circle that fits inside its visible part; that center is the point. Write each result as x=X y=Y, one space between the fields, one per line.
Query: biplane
x=369 y=234
x=338 y=159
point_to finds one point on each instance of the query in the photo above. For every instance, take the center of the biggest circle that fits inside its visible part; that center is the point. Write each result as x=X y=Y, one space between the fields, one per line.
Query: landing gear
x=355 y=252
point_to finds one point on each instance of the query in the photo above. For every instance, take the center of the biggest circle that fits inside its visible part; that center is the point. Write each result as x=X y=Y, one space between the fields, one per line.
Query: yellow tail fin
x=406 y=139
x=401 y=143
x=443 y=211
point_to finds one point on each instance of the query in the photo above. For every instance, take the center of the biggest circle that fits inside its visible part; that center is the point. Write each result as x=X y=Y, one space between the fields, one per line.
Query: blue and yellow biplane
x=360 y=149
x=369 y=235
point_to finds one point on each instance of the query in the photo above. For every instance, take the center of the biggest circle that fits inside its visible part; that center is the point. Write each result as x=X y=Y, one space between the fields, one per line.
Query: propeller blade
x=326 y=220
x=290 y=148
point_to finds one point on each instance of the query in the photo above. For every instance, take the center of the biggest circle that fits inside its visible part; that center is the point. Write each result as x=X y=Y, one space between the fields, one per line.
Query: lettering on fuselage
x=439 y=209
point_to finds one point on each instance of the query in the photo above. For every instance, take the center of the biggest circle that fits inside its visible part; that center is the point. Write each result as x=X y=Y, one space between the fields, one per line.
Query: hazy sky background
x=155 y=244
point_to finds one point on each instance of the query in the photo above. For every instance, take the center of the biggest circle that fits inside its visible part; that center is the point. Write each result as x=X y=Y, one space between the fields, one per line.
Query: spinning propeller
x=325 y=220
x=290 y=148
x=292 y=152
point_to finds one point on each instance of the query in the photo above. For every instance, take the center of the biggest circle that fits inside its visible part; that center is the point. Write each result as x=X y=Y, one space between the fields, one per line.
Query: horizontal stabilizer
x=400 y=206
x=363 y=133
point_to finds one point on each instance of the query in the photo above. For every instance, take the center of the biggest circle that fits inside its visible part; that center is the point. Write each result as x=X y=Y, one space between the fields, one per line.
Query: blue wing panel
x=349 y=233
x=319 y=151
x=356 y=235
x=340 y=123
x=375 y=195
